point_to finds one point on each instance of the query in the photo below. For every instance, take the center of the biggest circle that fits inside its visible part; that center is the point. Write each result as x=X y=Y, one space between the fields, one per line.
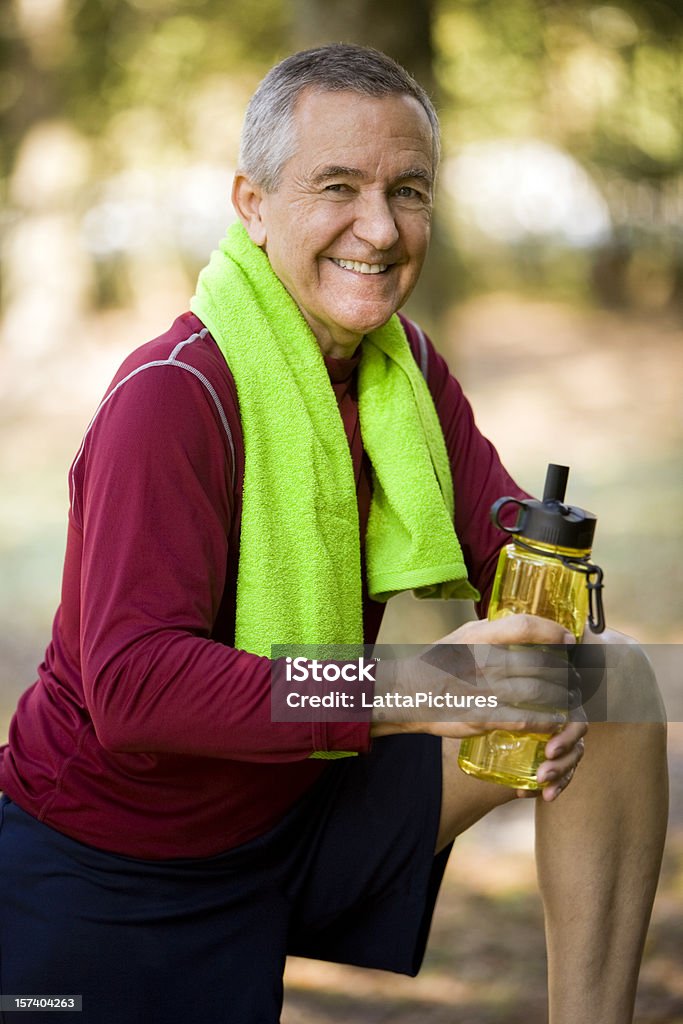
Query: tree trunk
x=402 y=28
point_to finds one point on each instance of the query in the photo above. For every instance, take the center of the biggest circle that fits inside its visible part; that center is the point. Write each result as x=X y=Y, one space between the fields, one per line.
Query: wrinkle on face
x=357 y=189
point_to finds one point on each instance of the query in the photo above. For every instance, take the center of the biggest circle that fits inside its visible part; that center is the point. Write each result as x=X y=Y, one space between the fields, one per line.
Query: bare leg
x=598 y=848
x=465 y=800
x=598 y=851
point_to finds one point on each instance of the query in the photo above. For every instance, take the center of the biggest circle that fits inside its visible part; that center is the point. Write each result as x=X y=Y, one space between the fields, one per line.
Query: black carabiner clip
x=596 y=611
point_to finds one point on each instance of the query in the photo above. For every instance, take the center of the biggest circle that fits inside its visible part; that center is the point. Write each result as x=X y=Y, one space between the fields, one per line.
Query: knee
x=630 y=692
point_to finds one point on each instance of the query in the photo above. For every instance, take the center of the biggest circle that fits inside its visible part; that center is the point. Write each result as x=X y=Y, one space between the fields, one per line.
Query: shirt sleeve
x=153 y=495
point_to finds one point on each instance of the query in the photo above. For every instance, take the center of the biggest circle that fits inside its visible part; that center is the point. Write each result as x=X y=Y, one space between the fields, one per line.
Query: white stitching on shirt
x=171 y=361
x=188 y=341
x=221 y=411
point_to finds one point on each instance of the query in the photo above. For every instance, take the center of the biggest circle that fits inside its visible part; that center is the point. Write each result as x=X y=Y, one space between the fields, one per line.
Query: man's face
x=347 y=229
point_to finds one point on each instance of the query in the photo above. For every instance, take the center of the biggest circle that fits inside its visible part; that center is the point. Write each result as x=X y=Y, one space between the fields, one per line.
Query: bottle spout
x=555 y=483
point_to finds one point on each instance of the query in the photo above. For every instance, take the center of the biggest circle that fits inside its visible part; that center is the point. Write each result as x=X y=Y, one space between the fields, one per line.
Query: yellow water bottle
x=545 y=571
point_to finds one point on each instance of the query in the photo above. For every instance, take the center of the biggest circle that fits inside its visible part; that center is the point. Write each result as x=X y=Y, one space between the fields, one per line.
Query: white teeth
x=361 y=268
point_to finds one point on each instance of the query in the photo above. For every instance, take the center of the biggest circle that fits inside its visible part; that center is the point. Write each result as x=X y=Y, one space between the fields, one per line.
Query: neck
x=336 y=351
x=340 y=345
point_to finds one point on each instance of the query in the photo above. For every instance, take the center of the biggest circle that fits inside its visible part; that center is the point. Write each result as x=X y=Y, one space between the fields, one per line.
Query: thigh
x=364 y=878
x=141 y=943
x=464 y=799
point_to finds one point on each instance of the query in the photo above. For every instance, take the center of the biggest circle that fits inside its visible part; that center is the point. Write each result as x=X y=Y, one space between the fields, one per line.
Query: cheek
x=326 y=222
x=294 y=263
x=418 y=243
x=420 y=231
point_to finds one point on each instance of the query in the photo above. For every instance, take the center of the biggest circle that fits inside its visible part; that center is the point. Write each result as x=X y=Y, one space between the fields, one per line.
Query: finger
x=565 y=739
x=515 y=719
x=556 y=775
x=545 y=660
x=527 y=692
x=468 y=725
x=529 y=676
x=553 y=771
x=483 y=664
x=515 y=629
x=551 y=792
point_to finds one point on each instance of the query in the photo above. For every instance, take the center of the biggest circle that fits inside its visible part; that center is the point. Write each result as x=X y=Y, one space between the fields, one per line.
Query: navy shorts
x=349 y=876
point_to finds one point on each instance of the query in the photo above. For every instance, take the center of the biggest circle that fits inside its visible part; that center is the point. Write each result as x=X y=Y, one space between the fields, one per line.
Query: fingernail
x=548 y=776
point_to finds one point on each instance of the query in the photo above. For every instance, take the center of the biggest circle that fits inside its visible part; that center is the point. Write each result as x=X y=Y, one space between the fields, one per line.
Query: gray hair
x=268 y=135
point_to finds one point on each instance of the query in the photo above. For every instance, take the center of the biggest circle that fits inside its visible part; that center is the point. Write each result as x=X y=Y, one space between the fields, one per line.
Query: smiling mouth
x=361 y=268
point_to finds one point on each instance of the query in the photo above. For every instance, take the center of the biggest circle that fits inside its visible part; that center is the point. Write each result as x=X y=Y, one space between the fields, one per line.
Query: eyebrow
x=417 y=174
x=339 y=171
x=336 y=171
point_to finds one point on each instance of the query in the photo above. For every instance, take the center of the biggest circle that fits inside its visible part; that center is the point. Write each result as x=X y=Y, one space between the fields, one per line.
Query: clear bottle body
x=532 y=583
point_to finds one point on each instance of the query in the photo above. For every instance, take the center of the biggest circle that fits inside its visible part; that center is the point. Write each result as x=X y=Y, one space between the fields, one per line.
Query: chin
x=370 y=322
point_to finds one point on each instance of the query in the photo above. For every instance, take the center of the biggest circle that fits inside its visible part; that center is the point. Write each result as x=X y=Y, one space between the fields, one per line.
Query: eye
x=412 y=195
x=338 y=187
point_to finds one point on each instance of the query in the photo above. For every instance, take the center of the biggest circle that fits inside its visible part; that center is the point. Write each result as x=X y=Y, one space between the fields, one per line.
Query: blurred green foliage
x=600 y=81
x=89 y=60
x=604 y=81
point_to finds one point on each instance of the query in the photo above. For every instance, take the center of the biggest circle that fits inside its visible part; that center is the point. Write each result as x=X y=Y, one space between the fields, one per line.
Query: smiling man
x=347 y=237
x=268 y=472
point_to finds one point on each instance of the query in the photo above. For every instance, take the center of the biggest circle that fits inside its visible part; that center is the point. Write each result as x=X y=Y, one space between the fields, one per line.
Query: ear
x=247 y=199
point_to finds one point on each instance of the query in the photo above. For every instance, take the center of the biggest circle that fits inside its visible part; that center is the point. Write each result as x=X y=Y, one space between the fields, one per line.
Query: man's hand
x=515 y=662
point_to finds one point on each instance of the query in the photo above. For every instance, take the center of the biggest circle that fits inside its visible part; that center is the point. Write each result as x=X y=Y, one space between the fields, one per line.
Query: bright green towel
x=299 y=577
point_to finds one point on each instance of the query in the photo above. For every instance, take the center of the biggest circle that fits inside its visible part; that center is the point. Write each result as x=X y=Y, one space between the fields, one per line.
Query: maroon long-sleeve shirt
x=147 y=732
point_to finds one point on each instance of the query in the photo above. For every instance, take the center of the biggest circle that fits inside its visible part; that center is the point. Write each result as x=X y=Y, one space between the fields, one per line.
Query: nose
x=374 y=221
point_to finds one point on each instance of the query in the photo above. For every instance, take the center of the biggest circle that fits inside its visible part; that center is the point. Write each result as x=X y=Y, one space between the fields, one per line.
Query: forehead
x=352 y=129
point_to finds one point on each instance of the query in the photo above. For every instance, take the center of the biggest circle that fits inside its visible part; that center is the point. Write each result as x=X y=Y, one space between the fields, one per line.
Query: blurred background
x=554 y=289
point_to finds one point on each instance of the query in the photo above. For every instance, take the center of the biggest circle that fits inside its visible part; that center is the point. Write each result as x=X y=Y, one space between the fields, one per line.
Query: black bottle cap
x=550 y=521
